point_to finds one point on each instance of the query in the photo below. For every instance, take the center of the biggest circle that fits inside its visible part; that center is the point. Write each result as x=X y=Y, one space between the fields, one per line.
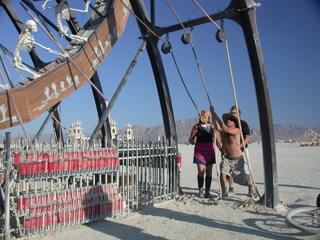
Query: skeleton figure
x=5 y=86
x=26 y=42
x=62 y=11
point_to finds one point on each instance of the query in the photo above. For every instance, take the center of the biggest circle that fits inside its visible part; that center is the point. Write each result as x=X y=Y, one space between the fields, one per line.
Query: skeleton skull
x=31 y=25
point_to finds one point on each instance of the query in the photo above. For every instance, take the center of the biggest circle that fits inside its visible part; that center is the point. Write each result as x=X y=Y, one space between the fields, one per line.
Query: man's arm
x=215 y=117
x=246 y=132
x=222 y=127
x=246 y=139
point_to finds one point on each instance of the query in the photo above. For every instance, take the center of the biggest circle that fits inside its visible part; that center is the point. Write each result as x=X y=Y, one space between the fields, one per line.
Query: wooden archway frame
x=246 y=18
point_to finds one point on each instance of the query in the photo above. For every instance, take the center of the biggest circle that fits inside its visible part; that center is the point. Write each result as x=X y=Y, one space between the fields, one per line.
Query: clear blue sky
x=289 y=33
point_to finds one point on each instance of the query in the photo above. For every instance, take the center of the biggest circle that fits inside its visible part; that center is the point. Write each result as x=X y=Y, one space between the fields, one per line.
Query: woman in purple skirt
x=204 y=155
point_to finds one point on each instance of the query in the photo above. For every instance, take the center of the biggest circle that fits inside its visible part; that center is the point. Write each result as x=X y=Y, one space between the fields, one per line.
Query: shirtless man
x=233 y=162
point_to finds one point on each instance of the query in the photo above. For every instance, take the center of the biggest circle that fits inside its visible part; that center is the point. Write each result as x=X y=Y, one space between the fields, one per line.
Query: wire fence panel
x=53 y=187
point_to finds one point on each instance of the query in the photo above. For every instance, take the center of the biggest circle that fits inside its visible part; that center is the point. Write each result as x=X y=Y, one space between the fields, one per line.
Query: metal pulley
x=166 y=47
x=221 y=35
x=186 y=37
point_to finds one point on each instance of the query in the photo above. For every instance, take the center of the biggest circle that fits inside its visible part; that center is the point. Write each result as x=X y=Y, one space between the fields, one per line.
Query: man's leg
x=246 y=168
x=241 y=177
x=231 y=185
x=223 y=181
x=224 y=169
x=252 y=190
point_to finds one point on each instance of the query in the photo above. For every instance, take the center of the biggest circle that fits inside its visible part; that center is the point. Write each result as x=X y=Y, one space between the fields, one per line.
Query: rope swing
x=187 y=38
x=221 y=36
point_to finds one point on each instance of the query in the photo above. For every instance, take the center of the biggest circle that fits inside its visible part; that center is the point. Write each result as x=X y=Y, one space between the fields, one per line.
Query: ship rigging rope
x=234 y=95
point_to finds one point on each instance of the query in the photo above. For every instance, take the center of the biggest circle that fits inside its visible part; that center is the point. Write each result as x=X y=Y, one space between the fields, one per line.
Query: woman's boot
x=200 y=186
x=208 y=185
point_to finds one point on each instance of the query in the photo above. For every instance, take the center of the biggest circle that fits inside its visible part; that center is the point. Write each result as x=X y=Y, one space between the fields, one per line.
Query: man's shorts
x=234 y=167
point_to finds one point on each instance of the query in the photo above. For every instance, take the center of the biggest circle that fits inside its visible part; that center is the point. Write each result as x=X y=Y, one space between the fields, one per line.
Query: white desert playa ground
x=193 y=218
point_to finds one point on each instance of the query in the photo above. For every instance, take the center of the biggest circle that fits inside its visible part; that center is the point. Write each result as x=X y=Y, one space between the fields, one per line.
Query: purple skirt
x=204 y=153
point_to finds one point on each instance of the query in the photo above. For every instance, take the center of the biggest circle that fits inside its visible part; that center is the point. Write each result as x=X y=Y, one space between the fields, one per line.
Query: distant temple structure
x=76 y=138
x=128 y=134
x=114 y=129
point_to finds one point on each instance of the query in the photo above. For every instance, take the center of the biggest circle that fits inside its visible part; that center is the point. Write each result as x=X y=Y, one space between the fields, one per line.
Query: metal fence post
x=7 y=186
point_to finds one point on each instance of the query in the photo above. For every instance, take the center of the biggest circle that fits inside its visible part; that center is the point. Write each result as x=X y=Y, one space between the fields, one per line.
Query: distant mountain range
x=282 y=132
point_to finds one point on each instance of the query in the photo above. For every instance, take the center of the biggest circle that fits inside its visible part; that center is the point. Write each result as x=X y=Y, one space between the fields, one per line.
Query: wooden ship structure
x=78 y=65
x=31 y=97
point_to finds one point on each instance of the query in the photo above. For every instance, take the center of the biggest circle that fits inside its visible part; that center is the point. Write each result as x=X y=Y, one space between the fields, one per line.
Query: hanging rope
x=141 y=21
x=205 y=87
x=234 y=95
x=65 y=54
x=214 y=122
x=194 y=52
x=12 y=64
x=202 y=78
x=6 y=51
x=166 y=41
x=175 y=62
x=16 y=110
x=186 y=87
x=167 y=50
x=238 y=116
x=63 y=126
x=176 y=16
x=60 y=118
x=206 y=14
x=184 y=84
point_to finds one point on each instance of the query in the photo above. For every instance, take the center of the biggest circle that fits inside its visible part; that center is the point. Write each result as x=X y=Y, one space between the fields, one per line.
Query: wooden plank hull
x=60 y=80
